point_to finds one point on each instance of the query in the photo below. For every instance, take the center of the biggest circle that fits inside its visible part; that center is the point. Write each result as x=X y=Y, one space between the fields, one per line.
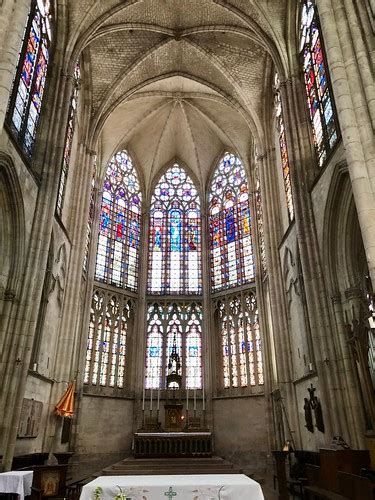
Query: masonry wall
x=241 y=432
x=103 y=434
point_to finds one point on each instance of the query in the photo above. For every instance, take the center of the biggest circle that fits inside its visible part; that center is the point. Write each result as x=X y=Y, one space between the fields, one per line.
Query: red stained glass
x=175 y=236
x=28 y=86
x=283 y=149
x=232 y=261
x=119 y=228
x=318 y=92
x=69 y=138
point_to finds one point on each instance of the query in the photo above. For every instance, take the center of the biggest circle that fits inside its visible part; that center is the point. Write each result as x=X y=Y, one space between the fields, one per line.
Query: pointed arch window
x=283 y=149
x=232 y=261
x=259 y=213
x=106 y=343
x=241 y=347
x=178 y=326
x=119 y=228
x=29 y=83
x=175 y=236
x=318 y=90
x=69 y=138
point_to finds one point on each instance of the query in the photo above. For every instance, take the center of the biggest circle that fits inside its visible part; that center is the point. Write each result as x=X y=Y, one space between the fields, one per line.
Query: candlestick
x=151 y=400
x=157 y=407
x=195 y=399
x=187 y=399
x=143 y=400
x=204 y=399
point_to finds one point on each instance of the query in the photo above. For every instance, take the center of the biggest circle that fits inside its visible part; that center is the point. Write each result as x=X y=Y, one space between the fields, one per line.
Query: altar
x=194 y=487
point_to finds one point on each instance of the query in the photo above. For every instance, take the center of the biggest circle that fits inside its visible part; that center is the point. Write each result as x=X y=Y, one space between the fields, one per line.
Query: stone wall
x=241 y=432
x=103 y=434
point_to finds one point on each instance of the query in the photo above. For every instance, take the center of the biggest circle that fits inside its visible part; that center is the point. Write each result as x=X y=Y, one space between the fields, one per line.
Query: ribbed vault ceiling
x=177 y=79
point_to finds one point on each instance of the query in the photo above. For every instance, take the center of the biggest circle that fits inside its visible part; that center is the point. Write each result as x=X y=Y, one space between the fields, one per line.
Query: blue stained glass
x=318 y=92
x=154 y=352
x=174 y=249
x=230 y=225
x=28 y=89
x=117 y=254
x=157 y=238
x=175 y=230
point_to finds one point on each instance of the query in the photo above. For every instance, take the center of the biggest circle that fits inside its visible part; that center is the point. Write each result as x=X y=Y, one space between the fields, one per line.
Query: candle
x=143 y=400
x=158 y=399
x=204 y=401
x=151 y=400
x=187 y=399
x=195 y=399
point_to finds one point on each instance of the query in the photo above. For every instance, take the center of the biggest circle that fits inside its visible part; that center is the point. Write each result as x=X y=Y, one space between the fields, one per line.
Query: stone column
x=272 y=224
x=23 y=314
x=210 y=369
x=353 y=87
x=302 y=164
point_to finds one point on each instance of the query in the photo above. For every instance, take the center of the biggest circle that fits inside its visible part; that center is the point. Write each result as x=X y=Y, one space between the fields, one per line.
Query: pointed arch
x=120 y=221
x=28 y=87
x=175 y=235
x=231 y=247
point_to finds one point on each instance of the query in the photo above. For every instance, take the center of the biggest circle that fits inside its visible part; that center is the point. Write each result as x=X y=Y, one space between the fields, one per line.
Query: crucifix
x=170 y=493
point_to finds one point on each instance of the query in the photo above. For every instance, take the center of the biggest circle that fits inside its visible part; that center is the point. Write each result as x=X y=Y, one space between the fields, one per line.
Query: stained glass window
x=119 y=228
x=170 y=324
x=283 y=149
x=175 y=236
x=106 y=343
x=69 y=138
x=240 y=340
x=232 y=261
x=259 y=213
x=318 y=91
x=28 y=86
x=90 y=220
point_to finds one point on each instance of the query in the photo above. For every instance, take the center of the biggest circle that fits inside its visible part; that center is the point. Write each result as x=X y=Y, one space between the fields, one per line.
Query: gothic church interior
x=187 y=214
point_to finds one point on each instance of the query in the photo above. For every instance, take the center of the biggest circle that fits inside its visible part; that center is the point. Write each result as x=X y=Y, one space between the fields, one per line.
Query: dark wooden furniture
x=49 y=481
x=339 y=476
x=164 y=444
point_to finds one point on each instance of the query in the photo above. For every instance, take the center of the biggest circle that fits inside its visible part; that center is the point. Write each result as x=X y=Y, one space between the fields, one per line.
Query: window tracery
x=28 y=86
x=106 y=343
x=176 y=324
x=318 y=91
x=119 y=228
x=232 y=261
x=241 y=347
x=72 y=114
x=283 y=149
x=175 y=236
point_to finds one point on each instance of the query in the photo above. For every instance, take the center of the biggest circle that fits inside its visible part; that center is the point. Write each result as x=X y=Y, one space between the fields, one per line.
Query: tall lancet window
x=175 y=236
x=283 y=149
x=106 y=344
x=319 y=94
x=174 y=328
x=232 y=261
x=28 y=86
x=119 y=229
x=69 y=138
x=240 y=341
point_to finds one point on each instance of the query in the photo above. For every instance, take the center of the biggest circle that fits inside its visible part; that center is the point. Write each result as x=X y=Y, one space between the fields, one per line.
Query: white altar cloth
x=16 y=481
x=178 y=487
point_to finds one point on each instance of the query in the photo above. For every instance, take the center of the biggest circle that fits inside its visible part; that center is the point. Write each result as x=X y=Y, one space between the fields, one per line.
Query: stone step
x=175 y=466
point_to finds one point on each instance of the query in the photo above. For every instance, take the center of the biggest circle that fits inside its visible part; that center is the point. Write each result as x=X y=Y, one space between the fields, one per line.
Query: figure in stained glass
x=318 y=92
x=230 y=226
x=118 y=244
x=174 y=250
x=28 y=86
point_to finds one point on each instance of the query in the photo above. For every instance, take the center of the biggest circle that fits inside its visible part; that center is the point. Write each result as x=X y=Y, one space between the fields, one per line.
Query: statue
x=308 y=416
